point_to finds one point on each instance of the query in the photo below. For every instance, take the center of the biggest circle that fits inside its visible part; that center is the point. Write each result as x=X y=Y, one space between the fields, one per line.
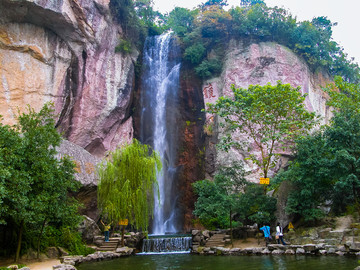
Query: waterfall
x=167 y=245
x=158 y=124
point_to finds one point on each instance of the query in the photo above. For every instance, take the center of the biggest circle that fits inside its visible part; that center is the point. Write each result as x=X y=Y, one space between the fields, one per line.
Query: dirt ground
x=34 y=265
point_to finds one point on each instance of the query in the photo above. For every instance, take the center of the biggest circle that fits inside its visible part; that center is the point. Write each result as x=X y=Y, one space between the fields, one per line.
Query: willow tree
x=126 y=187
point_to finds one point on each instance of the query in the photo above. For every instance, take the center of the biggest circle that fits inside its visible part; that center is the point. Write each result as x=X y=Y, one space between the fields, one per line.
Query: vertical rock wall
x=64 y=52
x=259 y=63
x=192 y=150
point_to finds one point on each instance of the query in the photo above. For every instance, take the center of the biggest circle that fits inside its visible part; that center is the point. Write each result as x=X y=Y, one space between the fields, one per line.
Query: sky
x=345 y=13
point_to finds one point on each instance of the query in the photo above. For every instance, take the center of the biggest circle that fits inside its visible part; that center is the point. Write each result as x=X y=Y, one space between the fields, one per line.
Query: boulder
x=88 y=229
x=64 y=267
x=300 y=251
x=309 y=248
x=52 y=252
x=62 y=252
x=277 y=252
x=206 y=234
x=125 y=250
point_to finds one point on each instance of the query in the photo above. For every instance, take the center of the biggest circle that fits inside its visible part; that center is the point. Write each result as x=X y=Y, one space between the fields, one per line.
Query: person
x=106 y=230
x=267 y=235
x=280 y=234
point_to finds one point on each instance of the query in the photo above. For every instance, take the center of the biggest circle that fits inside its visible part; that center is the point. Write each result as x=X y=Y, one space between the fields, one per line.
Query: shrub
x=124 y=47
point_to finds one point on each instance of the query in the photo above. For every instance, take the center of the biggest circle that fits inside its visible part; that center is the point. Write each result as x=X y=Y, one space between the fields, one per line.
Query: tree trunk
x=39 y=238
x=19 y=241
x=231 y=230
x=122 y=235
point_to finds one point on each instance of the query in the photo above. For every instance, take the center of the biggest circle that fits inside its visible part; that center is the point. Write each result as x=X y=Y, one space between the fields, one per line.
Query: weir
x=158 y=124
x=169 y=244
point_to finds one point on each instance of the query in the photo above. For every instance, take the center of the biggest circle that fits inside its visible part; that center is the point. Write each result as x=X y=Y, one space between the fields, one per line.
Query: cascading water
x=167 y=245
x=159 y=99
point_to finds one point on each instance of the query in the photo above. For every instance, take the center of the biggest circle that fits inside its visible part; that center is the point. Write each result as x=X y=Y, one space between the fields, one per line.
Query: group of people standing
x=279 y=234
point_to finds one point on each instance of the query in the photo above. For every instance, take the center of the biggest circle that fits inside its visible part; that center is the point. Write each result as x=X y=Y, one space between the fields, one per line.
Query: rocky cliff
x=247 y=64
x=64 y=52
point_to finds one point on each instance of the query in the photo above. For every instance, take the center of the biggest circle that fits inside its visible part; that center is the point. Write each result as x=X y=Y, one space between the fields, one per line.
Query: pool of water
x=188 y=261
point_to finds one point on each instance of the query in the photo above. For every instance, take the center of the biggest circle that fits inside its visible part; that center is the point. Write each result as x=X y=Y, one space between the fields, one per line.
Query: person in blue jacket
x=267 y=234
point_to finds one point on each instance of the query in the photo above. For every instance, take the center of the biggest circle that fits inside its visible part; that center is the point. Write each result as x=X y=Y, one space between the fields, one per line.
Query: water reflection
x=198 y=262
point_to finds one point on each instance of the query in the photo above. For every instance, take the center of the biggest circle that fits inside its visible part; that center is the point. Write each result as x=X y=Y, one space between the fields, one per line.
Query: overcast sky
x=345 y=13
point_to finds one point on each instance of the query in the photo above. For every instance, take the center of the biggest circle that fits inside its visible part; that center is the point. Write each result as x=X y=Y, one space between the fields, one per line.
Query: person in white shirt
x=279 y=234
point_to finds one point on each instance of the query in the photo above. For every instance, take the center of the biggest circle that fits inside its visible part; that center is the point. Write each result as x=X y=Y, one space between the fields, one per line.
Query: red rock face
x=192 y=154
x=64 y=52
x=260 y=63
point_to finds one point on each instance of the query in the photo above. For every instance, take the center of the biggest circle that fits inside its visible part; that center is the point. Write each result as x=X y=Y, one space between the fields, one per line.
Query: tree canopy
x=126 y=184
x=217 y=198
x=271 y=116
x=34 y=183
x=212 y=27
x=326 y=169
x=230 y=197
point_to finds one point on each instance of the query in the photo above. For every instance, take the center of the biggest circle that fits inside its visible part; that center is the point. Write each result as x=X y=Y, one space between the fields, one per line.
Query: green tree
x=311 y=175
x=344 y=95
x=271 y=116
x=181 y=20
x=219 y=3
x=216 y=199
x=246 y=3
x=326 y=166
x=126 y=184
x=36 y=182
x=253 y=206
x=326 y=169
x=230 y=197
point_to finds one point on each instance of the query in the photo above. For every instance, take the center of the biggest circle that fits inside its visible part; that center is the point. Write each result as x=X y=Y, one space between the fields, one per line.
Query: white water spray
x=160 y=85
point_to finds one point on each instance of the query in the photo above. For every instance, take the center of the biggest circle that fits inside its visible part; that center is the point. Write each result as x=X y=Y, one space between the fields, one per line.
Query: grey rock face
x=89 y=229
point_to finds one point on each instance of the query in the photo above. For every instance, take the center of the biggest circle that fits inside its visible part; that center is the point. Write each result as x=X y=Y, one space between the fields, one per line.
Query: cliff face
x=192 y=153
x=63 y=52
x=260 y=63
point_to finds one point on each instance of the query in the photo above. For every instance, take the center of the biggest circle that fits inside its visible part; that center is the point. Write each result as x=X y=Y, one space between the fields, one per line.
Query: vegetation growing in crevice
x=137 y=20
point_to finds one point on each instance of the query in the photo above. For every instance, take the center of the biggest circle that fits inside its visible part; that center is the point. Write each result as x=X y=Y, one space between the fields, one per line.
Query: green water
x=188 y=261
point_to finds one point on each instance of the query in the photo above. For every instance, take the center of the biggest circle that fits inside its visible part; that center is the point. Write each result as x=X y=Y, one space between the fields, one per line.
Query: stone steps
x=111 y=245
x=217 y=240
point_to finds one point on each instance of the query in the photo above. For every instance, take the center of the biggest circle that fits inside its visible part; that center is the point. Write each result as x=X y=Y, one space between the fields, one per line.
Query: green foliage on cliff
x=213 y=27
x=272 y=116
x=126 y=185
x=137 y=20
x=326 y=169
x=34 y=183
